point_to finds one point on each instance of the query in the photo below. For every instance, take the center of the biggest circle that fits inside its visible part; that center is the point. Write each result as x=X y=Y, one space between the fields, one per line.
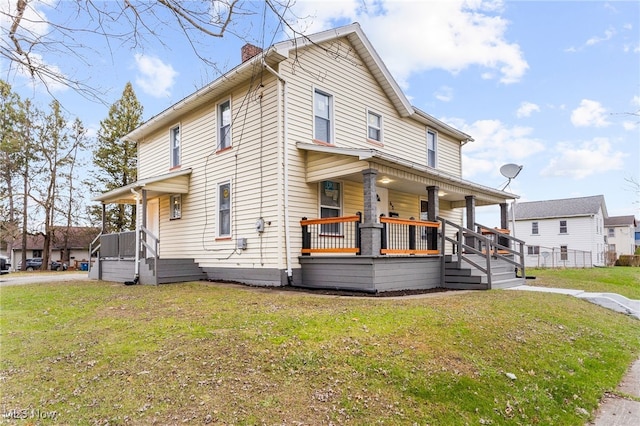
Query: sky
x=548 y=85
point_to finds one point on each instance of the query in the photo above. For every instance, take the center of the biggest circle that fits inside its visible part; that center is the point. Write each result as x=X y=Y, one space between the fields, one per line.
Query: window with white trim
x=330 y=205
x=611 y=232
x=323 y=115
x=224 y=209
x=563 y=226
x=175 y=146
x=534 y=228
x=374 y=126
x=432 y=142
x=224 y=125
x=175 y=206
x=533 y=249
x=564 y=253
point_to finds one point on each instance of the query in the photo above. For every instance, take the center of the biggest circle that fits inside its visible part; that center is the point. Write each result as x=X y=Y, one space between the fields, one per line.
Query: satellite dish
x=510 y=170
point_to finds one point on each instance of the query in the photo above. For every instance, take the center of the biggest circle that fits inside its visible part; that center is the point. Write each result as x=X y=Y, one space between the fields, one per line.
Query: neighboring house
x=637 y=232
x=620 y=233
x=568 y=232
x=312 y=128
x=68 y=245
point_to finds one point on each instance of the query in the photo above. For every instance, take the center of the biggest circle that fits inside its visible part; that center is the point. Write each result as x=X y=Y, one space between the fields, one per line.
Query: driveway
x=21 y=278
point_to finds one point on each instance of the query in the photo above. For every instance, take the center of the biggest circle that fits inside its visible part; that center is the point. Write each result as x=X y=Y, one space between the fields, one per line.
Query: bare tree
x=33 y=32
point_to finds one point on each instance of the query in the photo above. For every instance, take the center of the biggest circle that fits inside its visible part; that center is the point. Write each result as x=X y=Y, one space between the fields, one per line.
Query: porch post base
x=370 y=239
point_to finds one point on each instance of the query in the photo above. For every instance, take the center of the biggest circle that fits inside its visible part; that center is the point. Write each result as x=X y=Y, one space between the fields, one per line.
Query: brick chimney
x=249 y=51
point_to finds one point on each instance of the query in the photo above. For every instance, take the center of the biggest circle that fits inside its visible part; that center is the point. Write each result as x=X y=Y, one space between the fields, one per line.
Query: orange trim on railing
x=486 y=231
x=327 y=220
x=332 y=250
x=397 y=221
x=397 y=251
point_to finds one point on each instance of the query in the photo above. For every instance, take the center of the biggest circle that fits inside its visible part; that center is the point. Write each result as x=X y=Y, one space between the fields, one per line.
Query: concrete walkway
x=614 y=410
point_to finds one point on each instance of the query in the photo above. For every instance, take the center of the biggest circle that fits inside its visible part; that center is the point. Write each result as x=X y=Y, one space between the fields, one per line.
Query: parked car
x=32 y=264
x=5 y=265
x=58 y=266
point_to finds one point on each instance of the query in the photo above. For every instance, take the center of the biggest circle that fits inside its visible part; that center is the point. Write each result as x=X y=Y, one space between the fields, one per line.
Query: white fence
x=554 y=257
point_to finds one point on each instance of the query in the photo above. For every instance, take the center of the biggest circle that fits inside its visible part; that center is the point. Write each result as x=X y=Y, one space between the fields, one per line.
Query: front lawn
x=200 y=353
x=624 y=280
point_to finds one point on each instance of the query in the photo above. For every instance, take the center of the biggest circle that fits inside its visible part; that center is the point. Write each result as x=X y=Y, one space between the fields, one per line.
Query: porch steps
x=467 y=277
x=175 y=270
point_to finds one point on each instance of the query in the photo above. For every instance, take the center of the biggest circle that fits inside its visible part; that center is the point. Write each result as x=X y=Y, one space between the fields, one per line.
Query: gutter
x=285 y=141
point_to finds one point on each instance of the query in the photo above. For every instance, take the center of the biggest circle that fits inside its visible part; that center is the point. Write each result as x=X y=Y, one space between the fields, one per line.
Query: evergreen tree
x=115 y=157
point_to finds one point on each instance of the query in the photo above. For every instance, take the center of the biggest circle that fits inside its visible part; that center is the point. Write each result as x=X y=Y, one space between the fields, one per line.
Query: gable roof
x=280 y=52
x=620 y=221
x=567 y=207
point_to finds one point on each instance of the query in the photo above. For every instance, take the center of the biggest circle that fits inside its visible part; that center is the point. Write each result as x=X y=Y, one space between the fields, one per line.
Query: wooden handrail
x=396 y=221
x=327 y=220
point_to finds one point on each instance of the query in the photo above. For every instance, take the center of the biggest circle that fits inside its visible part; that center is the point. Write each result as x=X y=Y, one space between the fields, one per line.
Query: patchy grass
x=97 y=353
x=623 y=280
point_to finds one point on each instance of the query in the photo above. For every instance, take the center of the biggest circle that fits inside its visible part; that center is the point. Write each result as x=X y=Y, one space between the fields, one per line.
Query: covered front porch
x=409 y=233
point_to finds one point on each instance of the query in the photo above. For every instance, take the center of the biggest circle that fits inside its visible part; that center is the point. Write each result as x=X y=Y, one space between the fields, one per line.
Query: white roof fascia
x=139 y=184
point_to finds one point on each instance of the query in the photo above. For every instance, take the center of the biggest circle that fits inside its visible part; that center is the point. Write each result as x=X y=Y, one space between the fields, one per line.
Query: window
x=533 y=249
x=612 y=248
x=374 y=126
x=330 y=205
x=534 y=228
x=564 y=253
x=224 y=209
x=175 y=207
x=424 y=210
x=175 y=146
x=611 y=232
x=431 y=148
x=224 y=120
x=322 y=111
x=37 y=253
x=563 y=226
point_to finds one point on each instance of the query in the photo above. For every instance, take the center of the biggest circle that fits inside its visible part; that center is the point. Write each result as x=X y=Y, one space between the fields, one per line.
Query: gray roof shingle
x=620 y=221
x=567 y=207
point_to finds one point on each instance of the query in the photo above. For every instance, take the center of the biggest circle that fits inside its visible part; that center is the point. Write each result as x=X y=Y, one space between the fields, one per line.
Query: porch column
x=104 y=218
x=370 y=230
x=433 y=204
x=504 y=223
x=471 y=218
x=143 y=248
x=433 y=211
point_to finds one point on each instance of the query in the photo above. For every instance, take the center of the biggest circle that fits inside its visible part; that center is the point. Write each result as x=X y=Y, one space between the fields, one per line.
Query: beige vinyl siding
x=354 y=90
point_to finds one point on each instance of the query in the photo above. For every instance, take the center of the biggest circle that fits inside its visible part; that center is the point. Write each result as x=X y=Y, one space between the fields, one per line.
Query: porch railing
x=331 y=235
x=502 y=244
x=409 y=237
x=120 y=245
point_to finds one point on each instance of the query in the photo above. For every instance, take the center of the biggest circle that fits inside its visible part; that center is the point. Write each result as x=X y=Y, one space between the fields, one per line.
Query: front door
x=383 y=201
x=153 y=220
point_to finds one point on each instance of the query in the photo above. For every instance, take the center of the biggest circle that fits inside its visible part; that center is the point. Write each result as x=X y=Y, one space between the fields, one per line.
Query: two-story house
x=563 y=233
x=620 y=232
x=304 y=165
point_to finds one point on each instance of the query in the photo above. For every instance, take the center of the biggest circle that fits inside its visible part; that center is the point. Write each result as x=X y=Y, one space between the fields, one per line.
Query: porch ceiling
x=395 y=173
x=170 y=183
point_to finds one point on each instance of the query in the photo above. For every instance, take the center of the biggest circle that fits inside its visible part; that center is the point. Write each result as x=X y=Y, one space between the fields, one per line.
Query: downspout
x=137 y=261
x=285 y=141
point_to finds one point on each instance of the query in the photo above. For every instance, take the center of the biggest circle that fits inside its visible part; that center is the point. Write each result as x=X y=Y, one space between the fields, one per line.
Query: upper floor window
x=175 y=146
x=431 y=148
x=534 y=228
x=224 y=125
x=374 y=126
x=330 y=205
x=175 y=207
x=224 y=209
x=611 y=232
x=323 y=115
x=563 y=226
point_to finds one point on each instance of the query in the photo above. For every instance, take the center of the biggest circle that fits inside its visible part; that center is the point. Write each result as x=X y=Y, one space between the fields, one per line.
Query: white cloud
x=590 y=158
x=629 y=125
x=444 y=94
x=589 y=114
x=635 y=101
x=155 y=77
x=416 y=36
x=608 y=34
x=526 y=108
x=495 y=144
